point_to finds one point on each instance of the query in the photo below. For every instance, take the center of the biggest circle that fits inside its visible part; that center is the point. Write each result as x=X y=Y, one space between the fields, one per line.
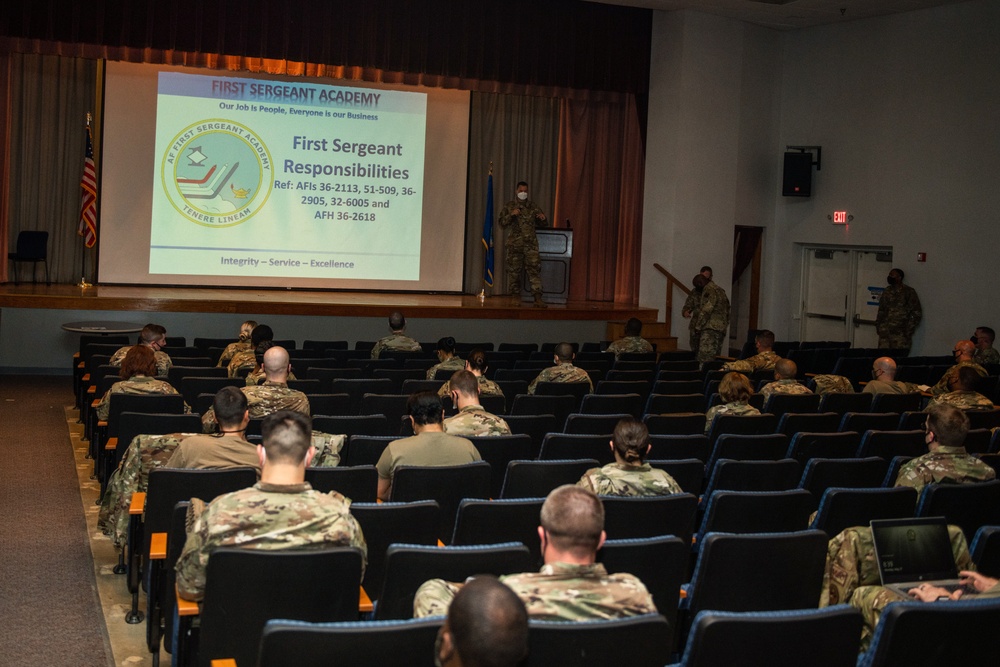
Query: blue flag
x=488 y=234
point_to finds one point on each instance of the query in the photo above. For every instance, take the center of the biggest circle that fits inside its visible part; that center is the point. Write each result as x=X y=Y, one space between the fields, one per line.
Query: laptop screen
x=913 y=550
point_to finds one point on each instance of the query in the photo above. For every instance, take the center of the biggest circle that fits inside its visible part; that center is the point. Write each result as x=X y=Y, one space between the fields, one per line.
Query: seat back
x=688 y=473
x=984 y=418
x=584 y=424
x=285 y=585
x=888 y=444
x=492 y=521
x=915 y=633
x=791 y=423
x=757 y=512
x=969 y=506
x=358 y=483
x=841 y=508
x=131 y=424
x=778 y=404
x=985 y=551
x=358 y=643
x=806 y=445
x=896 y=402
x=558 y=446
x=637 y=640
x=610 y=404
x=750 y=638
x=191 y=386
x=534 y=404
x=820 y=474
x=733 y=475
x=356 y=388
x=679 y=447
x=868 y=421
x=142 y=403
x=742 y=425
x=448 y=485
x=787 y=571
x=534 y=479
x=352 y=425
x=32 y=246
x=767 y=447
x=844 y=403
x=677 y=423
x=407 y=566
x=500 y=450
x=575 y=389
x=393 y=406
x=385 y=523
x=661 y=563
x=535 y=426
x=649 y=516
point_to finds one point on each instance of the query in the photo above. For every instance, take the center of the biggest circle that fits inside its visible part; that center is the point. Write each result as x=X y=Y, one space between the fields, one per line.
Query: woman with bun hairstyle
x=629 y=475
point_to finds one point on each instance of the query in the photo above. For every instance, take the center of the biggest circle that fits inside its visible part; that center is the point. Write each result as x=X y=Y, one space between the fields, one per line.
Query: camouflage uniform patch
x=949 y=465
x=943 y=385
x=617 y=479
x=231 y=350
x=163 y=362
x=739 y=409
x=764 y=361
x=564 y=372
x=521 y=244
x=264 y=399
x=691 y=306
x=828 y=383
x=789 y=386
x=987 y=356
x=265 y=516
x=137 y=386
x=711 y=321
x=629 y=345
x=963 y=400
x=486 y=387
x=559 y=592
x=243 y=359
x=453 y=364
x=257 y=376
x=899 y=313
x=475 y=420
x=395 y=342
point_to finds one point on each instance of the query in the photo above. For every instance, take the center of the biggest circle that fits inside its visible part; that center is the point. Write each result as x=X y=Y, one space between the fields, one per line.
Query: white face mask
x=522 y=195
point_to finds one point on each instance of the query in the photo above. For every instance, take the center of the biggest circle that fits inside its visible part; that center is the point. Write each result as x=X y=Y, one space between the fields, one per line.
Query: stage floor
x=306 y=302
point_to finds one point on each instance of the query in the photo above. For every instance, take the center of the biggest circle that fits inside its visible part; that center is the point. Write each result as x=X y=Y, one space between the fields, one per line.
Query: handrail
x=671 y=282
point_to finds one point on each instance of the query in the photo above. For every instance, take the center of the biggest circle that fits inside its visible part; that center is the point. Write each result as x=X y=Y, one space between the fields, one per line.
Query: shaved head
x=786 y=369
x=965 y=348
x=886 y=365
x=276 y=363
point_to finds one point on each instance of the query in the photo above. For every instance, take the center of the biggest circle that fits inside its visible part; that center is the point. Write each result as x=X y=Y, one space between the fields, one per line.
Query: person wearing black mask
x=899 y=313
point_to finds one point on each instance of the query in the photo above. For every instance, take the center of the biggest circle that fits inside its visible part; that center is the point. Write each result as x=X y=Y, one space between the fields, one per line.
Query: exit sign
x=840 y=217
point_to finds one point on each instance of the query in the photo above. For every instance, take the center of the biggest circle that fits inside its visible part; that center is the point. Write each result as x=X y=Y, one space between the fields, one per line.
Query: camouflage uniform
x=850 y=562
x=453 y=364
x=963 y=400
x=257 y=376
x=265 y=399
x=948 y=465
x=889 y=387
x=691 y=304
x=620 y=479
x=564 y=372
x=474 y=420
x=397 y=341
x=631 y=345
x=243 y=359
x=521 y=245
x=163 y=362
x=871 y=600
x=711 y=321
x=788 y=386
x=898 y=315
x=764 y=361
x=231 y=350
x=215 y=451
x=265 y=516
x=137 y=385
x=146 y=452
x=559 y=592
x=828 y=383
x=486 y=387
x=740 y=409
x=987 y=356
x=943 y=385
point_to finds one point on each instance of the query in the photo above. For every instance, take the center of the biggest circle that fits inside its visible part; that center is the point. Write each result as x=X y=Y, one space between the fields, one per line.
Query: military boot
x=538 y=302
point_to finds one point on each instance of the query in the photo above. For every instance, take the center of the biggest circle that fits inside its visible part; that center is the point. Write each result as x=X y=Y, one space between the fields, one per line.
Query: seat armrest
x=158 y=546
x=365 y=602
x=111 y=445
x=138 y=504
x=223 y=662
x=185 y=607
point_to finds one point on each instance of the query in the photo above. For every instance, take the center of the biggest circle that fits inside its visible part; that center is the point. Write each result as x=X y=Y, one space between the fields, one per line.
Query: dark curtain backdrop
x=564 y=87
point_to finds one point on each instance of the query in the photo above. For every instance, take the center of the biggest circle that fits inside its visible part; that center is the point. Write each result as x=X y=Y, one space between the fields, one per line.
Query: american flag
x=88 y=197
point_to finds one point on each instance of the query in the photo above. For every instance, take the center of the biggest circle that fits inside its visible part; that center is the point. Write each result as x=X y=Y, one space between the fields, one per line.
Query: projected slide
x=264 y=178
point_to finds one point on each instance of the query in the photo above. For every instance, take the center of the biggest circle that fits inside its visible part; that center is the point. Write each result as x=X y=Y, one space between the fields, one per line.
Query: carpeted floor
x=50 y=613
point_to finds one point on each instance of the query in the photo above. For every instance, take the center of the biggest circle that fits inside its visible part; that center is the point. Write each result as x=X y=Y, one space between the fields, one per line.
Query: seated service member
x=985 y=352
x=487 y=626
x=138 y=370
x=764 y=360
x=226 y=449
x=472 y=418
x=563 y=371
x=397 y=340
x=632 y=342
x=572 y=585
x=629 y=475
x=153 y=336
x=243 y=344
x=963 y=353
x=476 y=364
x=963 y=394
x=884 y=379
x=431 y=446
x=735 y=391
x=447 y=359
x=281 y=511
x=785 y=371
x=947 y=462
x=248 y=358
x=272 y=395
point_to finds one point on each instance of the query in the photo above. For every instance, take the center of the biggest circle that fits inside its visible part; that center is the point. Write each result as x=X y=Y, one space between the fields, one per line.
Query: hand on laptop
x=976 y=581
x=928 y=593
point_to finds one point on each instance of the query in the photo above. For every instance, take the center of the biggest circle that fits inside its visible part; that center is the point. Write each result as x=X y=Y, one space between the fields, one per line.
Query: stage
x=32 y=340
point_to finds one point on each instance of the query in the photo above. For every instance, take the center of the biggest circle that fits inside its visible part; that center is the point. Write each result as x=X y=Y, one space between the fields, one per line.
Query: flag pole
x=488 y=242
x=83 y=284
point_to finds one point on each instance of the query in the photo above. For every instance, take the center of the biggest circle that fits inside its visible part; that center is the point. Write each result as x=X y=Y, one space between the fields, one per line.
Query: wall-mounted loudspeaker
x=796 y=179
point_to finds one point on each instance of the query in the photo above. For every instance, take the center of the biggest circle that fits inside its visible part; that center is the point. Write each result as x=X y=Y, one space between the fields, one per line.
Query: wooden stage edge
x=305 y=302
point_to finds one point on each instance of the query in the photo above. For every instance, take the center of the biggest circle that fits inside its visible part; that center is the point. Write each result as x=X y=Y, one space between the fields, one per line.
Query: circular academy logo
x=217 y=173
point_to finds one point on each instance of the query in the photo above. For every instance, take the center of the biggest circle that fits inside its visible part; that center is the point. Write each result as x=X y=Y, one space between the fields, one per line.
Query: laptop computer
x=910 y=552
